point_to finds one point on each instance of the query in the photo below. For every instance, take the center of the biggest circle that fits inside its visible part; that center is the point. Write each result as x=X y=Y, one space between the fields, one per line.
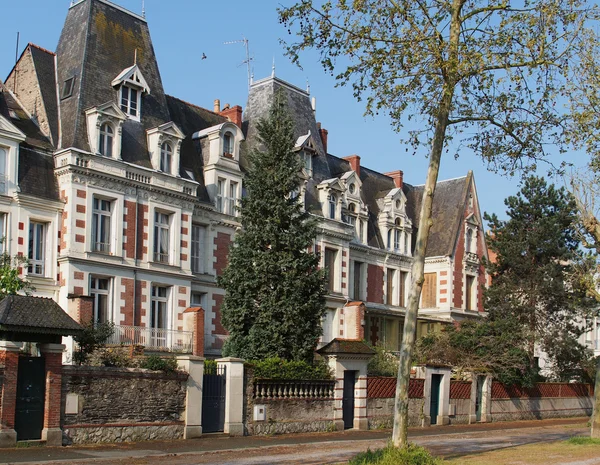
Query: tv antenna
x=248 y=59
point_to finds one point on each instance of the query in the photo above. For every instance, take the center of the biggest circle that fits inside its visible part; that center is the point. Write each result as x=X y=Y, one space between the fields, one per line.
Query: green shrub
x=383 y=363
x=210 y=367
x=276 y=368
x=156 y=363
x=411 y=455
x=115 y=357
x=583 y=441
x=92 y=338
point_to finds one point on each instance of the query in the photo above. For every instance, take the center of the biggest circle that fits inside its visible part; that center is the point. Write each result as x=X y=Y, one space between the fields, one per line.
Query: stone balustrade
x=293 y=389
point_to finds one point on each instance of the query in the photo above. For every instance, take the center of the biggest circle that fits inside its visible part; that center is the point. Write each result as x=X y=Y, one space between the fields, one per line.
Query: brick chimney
x=234 y=114
x=397 y=176
x=323 y=133
x=217 y=106
x=354 y=161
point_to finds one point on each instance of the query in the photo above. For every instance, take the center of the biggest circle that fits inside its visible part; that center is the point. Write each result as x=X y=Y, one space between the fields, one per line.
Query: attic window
x=352 y=188
x=68 y=87
x=130 y=100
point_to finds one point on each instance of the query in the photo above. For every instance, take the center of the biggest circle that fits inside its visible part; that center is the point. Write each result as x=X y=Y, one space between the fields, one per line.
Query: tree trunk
x=450 y=72
x=595 y=432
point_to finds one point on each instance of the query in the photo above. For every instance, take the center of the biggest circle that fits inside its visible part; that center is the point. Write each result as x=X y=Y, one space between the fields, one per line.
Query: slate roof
x=343 y=346
x=29 y=314
x=97 y=43
x=43 y=61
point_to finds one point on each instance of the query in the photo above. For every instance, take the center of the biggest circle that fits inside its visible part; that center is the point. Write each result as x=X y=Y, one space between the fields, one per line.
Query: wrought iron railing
x=153 y=338
x=293 y=389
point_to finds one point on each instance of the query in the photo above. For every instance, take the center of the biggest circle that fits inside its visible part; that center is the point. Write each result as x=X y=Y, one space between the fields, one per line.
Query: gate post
x=52 y=433
x=486 y=400
x=193 y=399
x=234 y=395
x=443 y=414
x=9 y=357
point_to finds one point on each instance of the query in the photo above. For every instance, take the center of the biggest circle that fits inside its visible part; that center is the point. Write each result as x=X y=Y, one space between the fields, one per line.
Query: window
x=129 y=101
x=330 y=256
x=99 y=289
x=166 y=152
x=307 y=161
x=391 y=286
x=429 y=292
x=199 y=299
x=357 y=281
x=37 y=248
x=220 y=195
x=105 y=144
x=232 y=199
x=397 y=234
x=332 y=205
x=406 y=245
x=158 y=315
x=470 y=293
x=351 y=188
x=227 y=144
x=3 y=239
x=161 y=237
x=403 y=287
x=198 y=241
x=351 y=217
x=3 y=178
x=101 y=213
x=67 y=89
x=469 y=240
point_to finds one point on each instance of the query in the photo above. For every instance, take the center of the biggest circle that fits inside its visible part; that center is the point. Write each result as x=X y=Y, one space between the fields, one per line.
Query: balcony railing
x=164 y=340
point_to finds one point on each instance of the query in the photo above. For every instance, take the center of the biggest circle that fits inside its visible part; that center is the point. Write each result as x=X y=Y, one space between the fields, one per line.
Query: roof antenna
x=16 y=64
x=307 y=86
x=249 y=59
x=143 y=9
x=273 y=68
x=135 y=57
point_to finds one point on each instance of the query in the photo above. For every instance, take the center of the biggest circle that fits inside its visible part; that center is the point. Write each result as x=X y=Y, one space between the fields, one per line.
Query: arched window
x=351 y=217
x=332 y=202
x=227 y=144
x=397 y=234
x=166 y=152
x=105 y=145
x=469 y=241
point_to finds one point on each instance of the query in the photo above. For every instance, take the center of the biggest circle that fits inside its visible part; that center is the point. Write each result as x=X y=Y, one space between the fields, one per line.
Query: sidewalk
x=288 y=449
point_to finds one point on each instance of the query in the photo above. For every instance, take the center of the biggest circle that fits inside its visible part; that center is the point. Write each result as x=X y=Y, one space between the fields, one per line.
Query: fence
x=293 y=389
x=158 y=339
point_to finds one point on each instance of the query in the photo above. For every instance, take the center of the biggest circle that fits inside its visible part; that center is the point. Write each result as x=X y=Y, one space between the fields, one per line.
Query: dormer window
x=397 y=234
x=166 y=153
x=129 y=101
x=228 y=145
x=106 y=140
x=332 y=206
x=352 y=214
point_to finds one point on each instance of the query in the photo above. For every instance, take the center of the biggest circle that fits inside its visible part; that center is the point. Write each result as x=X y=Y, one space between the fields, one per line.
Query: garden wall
x=380 y=402
x=102 y=404
x=460 y=402
x=544 y=400
x=288 y=406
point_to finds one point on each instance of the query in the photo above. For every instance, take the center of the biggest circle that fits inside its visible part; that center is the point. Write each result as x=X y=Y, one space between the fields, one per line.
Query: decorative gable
x=131 y=76
x=307 y=149
x=105 y=125
x=164 y=145
x=394 y=223
x=331 y=198
x=131 y=85
x=10 y=131
x=10 y=138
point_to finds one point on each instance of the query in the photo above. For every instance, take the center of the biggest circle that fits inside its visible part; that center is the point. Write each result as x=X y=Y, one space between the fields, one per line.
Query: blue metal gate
x=213 y=400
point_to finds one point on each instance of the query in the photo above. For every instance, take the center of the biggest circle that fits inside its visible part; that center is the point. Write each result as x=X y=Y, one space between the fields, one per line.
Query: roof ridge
x=196 y=106
x=445 y=180
x=31 y=44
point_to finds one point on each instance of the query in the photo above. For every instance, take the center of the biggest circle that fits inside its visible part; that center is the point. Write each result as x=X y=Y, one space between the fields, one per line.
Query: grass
x=412 y=455
x=584 y=441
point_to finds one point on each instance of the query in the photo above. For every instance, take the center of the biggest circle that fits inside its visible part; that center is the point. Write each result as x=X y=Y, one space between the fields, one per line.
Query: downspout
x=135 y=257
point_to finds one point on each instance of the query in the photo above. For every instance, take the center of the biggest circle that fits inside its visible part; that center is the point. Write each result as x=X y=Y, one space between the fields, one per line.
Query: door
x=213 y=401
x=478 y=398
x=436 y=381
x=348 y=399
x=29 y=409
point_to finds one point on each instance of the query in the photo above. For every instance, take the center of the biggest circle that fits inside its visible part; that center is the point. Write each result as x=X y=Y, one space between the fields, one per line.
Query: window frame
x=332 y=200
x=198 y=259
x=97 y=215
x=34 y=233
x=166 y=157
x=161 y=227
x=330 y=259
x=106 y=140
x=132 y=111
x=95 y=292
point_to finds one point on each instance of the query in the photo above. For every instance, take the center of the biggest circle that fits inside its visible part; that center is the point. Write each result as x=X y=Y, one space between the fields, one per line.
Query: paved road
x=305 y=449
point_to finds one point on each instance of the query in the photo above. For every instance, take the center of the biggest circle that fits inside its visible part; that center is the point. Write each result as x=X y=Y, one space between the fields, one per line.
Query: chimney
x=323 y=133
x=354 y=161
x=234 y=115
x=217 y=106
x=397 y=176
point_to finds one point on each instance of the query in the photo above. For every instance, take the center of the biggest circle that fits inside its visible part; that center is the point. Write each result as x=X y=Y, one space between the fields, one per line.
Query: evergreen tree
x=274 y=299
x=532 y=279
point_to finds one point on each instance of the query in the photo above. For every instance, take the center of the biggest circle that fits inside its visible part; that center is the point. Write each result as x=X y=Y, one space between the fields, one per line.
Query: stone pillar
x=193 y=320
x=234 y=395
x=81 y=308
x=338 y=392
x=9 y=357
x=194 y=366
x=52 y=433
x=361 y=421
x=354 y=319
x=486 y=400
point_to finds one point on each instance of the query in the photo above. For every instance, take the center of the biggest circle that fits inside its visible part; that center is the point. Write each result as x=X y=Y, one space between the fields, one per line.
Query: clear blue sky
x=182 y=30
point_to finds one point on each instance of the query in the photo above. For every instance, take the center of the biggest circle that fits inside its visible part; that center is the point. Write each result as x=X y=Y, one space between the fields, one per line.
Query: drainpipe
x=135 y=258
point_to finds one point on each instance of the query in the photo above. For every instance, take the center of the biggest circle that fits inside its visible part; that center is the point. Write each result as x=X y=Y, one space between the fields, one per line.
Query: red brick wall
x=52 y=403
x=375 y=284
x=127 y=297
x=142 y=237
x=129 y=230
x=8 y=399
x=140 y=302
x=222 y=243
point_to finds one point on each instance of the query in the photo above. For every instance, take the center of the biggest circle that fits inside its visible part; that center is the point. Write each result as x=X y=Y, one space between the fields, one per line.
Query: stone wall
x=459 y=411
x=121 y=405
x=380 y=412
x=286 y=415
x=540 y=408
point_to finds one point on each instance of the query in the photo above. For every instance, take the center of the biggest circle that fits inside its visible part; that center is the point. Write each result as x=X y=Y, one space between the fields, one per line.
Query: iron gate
x=29 y=409
x=213 y=400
